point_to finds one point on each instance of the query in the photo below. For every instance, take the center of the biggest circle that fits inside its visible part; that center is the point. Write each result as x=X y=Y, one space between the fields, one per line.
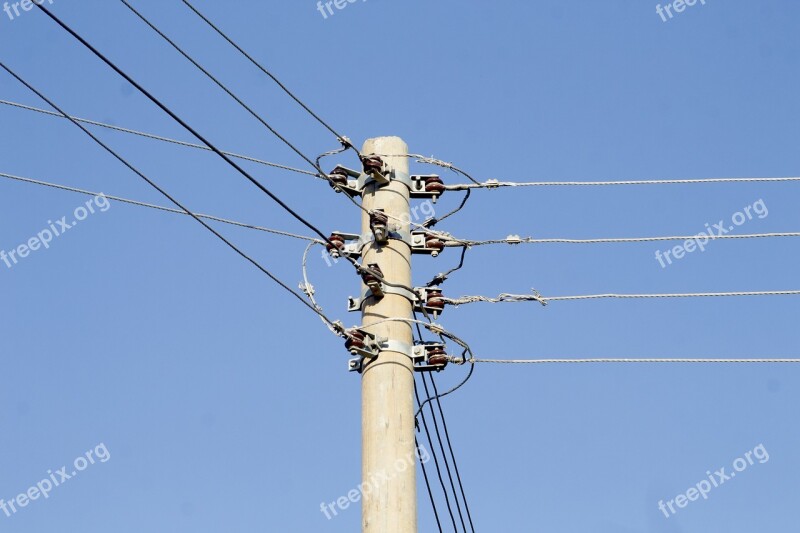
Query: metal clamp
x=429 y=357
x=374 y=347
x=426 y=243
x=426 y=186
x=356 y=304
x=341 y=181
x=351 y=244
x=394 y=175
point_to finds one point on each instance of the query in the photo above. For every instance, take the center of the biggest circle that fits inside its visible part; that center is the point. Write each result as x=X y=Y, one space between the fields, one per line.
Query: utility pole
x=389 y=504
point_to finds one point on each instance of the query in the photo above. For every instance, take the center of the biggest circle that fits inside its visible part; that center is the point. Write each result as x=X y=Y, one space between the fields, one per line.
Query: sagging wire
x=337 y=328
x=160 y=138
x=159 y=207
x=536 y=297
x=632 y=361
x=439 y=279
x=515 y=239
x=495 y=184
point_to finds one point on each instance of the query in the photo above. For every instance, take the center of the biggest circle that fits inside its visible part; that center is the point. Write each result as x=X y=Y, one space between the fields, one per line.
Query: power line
x=428 y=487
x=166 y=194
x=159 y=138
x=536 y=297
x=258 y=65
x=444 y=453
x=421 y=413
x=263 y=122
x=633 y=361
x=159 y=207
x=452 y=454
x=219 y=84
x=216 y=150
x=494 y=184
x=254 y=114
x=513 y=239
x=185 y=125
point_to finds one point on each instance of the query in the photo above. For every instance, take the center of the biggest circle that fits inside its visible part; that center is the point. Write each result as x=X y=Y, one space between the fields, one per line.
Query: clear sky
x=226 y=406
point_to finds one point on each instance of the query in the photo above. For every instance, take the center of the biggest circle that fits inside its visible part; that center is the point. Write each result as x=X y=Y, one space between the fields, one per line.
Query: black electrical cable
x=435 y=459
x=433 y=221
x=441 y=278
x=428 y=486
x=444 y=454
x=452 y=454
x=465 y=359
x=220 y=84
x=263 y=69
x=164 y=193
x=213 y=148
x=230 y=93
x=180 y=121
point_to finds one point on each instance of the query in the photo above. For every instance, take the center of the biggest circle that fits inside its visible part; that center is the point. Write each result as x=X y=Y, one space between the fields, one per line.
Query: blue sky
x=226 y=406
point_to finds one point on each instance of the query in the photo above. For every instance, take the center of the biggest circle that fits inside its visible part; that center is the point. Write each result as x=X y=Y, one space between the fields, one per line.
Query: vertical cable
x=444 y=454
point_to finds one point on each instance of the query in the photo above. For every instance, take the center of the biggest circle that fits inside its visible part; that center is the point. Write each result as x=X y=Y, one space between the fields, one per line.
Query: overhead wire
x=161 y=138
x=514 y=240
x=341 y=138
x=421 y=415
x=428 y=486
x=221 y=85
x=202 y=139
x=262 y=121
x=452 y=454
x=544 y=300
x=495 y=184
x=634 y=361
x=444 y=454
x=164 y=193
x=158 y=207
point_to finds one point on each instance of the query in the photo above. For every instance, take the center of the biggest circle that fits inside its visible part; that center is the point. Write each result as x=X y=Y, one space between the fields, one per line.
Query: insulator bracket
x=356 y=304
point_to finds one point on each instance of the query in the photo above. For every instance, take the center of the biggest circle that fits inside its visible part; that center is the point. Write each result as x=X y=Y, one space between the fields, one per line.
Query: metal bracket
x=420 y=357
x=416 y=183
x=394 y=175
x=398 y=347
x=355 y=304
x=355 y=365
x=418 y=187
x=419 y=244
x=375 y=347
x=421 y=304
x=371 y=346
x=353 y=244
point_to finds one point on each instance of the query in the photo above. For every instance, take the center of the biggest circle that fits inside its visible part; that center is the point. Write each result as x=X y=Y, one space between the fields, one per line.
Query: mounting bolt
x=372 y=281
x=379 y=223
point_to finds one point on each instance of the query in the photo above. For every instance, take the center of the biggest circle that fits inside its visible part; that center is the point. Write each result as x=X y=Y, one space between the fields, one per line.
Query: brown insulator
x=355 y=340
x=335 y=245
x=434 y=184
x=372 y=164
x=338 y=177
